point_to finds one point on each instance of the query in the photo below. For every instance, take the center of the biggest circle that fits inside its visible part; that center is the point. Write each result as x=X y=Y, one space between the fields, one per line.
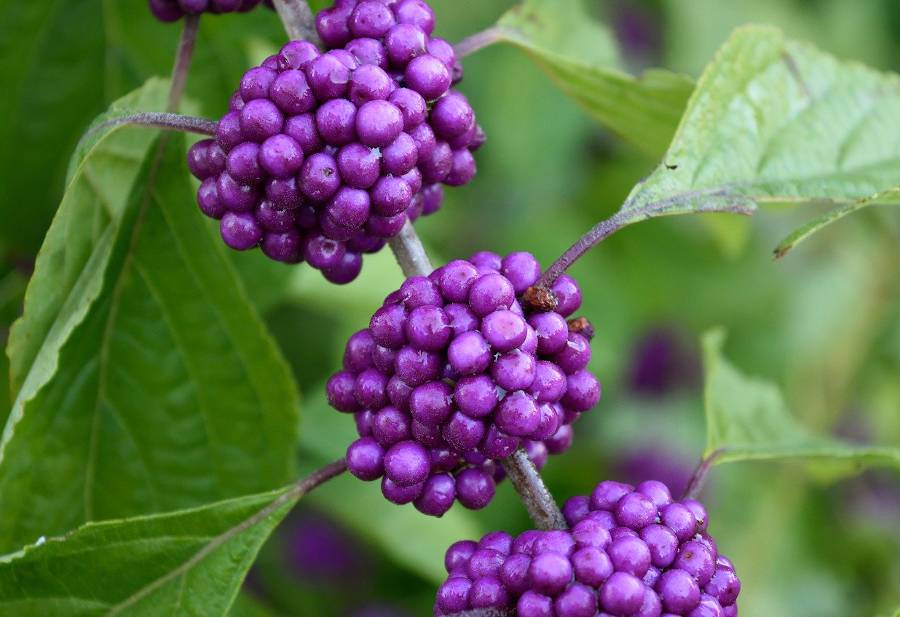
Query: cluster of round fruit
x=628 y=552
x=324 y=156
x=455 y=373
x=173 y=10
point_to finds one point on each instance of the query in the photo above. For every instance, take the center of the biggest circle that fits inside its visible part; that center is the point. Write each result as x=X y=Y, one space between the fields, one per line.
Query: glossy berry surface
x=619 y=558
x=173 y=10
x=456 y=372
x=331 y=152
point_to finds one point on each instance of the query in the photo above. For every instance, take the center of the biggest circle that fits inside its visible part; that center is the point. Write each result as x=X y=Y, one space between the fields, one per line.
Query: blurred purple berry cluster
x=455 y=373
x=323 y=156
x=628 y=552
x=173 y=10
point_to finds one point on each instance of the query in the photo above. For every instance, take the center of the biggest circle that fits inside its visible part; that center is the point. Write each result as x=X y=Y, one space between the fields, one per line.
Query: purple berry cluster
x=173 y=10
x=629 y=552
x=324 y=156
x=456 y=372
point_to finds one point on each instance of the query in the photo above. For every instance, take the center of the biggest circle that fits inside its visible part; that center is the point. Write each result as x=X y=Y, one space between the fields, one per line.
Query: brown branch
x=527 y=481
x=410 y=253
x=183 y=61
x=160 y=120
x=298 y=20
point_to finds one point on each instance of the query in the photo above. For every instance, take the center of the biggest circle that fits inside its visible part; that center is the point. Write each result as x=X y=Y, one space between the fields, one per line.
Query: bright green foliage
x=147 y=381
x=776 y=121
x=748 y=419
x=189 y=562
x=890 y=197
x=580 y=55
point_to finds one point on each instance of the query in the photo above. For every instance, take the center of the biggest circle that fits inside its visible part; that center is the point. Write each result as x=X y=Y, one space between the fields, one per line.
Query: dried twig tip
x=539 y=299
x=582 y=326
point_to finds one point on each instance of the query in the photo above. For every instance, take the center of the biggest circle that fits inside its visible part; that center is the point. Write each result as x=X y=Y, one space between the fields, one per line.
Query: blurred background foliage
x=824 y=323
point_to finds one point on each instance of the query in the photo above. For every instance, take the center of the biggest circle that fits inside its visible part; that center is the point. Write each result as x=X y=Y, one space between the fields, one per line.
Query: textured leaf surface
x=748 y=419
x=148 y=382
x=887 y=198
x=190 y=562
x=325 y=436
x=777 y=121
x=580 y=55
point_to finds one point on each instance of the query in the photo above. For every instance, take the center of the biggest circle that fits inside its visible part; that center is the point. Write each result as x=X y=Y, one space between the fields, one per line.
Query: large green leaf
x=47 y=98
x=580 y=55
x=69 y=270
x=361 y=506
x=149 y=384
x=747 y=419
x=776 y=121
x=190 y=562
x=890 y=197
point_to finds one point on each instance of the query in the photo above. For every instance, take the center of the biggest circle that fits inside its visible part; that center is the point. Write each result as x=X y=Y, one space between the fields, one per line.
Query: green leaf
x=47 y=98
x=887 y=198
x=148 y=382
x=361 y=506
x=776 y=121
x=68 y=272
x=190 y=562
x=747 y=419
x=580 y=55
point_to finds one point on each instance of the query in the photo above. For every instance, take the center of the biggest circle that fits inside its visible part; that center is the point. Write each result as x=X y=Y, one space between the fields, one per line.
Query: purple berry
x=291 y=92
x=407 y=463
x=369 y=52
x=365 y=459
x=370 y=83
x=371 y=19
x=240 y=231
x=474 y=488
x=404 y=42
x=428 y=76
x=415 y=12
x=280 y=156
x=336 y=121
x=452 y=116
x=678 y=591
x=437 y=495
x=260 y=119
x=391 y=196
x=379 y=123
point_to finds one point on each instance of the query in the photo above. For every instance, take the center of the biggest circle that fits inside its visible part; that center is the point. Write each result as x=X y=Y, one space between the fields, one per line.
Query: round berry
x=428 y=76
x=365 y=459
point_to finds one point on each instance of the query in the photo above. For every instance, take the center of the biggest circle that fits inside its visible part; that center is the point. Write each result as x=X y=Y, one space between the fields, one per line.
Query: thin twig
x=624 y=218
x=183 y=61
x=477 y=41
x=597 y=234
x=527 y=481
x=410 y=253
x=160 y=120
x=698 y=480
x=298 y=20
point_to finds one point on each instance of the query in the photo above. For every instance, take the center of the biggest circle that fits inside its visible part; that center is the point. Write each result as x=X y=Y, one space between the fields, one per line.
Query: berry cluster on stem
x=628 y=552
x=325 y=155
x=453 y=376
